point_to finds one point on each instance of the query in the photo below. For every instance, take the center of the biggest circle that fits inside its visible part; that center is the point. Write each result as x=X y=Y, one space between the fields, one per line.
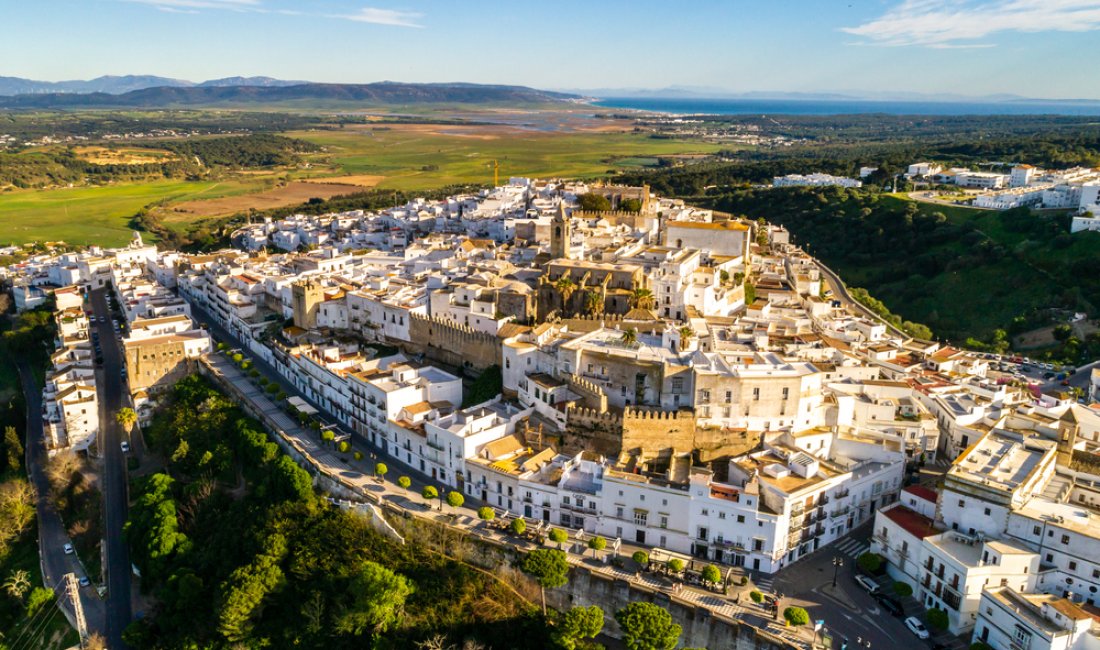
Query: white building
x=1009 y=618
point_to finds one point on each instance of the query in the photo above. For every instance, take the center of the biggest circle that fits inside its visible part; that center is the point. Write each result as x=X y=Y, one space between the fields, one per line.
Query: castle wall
x=452 y=344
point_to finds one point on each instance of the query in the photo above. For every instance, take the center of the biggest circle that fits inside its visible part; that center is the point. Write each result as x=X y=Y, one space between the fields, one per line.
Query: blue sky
x=1036 y=48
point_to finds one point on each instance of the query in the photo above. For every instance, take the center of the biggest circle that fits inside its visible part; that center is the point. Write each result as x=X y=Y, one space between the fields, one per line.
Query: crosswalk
x=941 y=463
x=764 y=584
x=852 y=547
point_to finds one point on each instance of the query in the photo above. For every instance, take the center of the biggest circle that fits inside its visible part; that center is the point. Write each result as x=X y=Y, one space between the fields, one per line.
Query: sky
x=1034 y=48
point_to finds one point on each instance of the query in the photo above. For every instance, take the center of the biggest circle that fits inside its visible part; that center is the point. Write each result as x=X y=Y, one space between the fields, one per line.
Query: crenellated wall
x=452 y=344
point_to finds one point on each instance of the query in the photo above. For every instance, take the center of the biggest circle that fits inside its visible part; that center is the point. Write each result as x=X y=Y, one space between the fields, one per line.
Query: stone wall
x=649 y=432
x=452 y=344
x=702 y=628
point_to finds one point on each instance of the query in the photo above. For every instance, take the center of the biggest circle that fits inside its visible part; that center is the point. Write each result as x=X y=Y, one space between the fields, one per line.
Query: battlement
x=585 y=416
x=594 y=395
x=449 y=327
x=683 y=415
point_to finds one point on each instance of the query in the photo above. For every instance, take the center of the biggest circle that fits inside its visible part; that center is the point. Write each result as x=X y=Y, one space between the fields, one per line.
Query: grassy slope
x=989 y=296
x=401 y=156
x=97 y=215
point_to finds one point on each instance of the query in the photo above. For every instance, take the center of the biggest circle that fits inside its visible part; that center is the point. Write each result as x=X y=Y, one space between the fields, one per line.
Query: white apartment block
x=1010 y=618
x=814 y=180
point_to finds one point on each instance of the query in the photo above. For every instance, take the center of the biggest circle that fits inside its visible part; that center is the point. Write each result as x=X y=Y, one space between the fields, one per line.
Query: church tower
x=561 y=233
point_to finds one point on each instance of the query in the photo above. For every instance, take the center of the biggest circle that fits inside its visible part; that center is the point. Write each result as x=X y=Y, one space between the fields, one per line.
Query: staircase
x=1058 y=488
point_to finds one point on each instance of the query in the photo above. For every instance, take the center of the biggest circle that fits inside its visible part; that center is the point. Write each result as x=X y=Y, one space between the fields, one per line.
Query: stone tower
x=306 y=295
x=561 y=233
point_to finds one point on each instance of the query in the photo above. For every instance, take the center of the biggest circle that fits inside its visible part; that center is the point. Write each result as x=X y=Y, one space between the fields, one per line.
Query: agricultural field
x=425 y=156
x=100 y=215
x=122 y=155
x=386 y=155
x=293 y=193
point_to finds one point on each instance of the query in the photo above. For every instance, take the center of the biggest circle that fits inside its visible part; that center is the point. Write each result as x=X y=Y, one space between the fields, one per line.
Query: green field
x=97 y=215
x=423 y=159
x=411 y=157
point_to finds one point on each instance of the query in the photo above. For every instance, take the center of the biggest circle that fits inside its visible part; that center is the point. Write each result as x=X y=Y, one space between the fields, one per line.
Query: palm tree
x=18 y=583
x=630 y=337
x=565 y=287
x=641 y=299
x=127 y=418
x=685 y=335
x=593 y=303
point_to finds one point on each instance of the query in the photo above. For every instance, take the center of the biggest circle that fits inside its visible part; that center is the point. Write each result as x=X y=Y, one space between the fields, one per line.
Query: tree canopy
x=647 y=626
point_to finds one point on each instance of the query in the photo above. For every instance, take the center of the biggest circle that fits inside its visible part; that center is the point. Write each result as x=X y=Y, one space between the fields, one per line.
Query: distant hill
x=386 y=92
x=105 y=84
x=113 y=85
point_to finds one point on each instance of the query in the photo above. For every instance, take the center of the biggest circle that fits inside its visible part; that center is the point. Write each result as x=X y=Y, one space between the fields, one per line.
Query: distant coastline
x=702 y=106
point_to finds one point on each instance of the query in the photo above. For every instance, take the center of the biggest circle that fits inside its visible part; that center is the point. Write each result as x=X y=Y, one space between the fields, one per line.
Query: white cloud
x=946 y=24
x=378 y=16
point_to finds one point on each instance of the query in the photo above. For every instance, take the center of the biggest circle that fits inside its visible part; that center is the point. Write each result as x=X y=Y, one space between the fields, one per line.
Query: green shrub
x=870 y=562
x=902 y=588
x=796 y=616
x=358 y=455
x=937 y=619
x=675 y=565
x=641 y=557
x=486 y=513
x=518 y=526
x=756 y=596
x=343 y=446
x=712 y=574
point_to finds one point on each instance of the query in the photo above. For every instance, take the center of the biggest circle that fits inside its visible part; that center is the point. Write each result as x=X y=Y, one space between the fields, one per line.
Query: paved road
x=52 y=535
x=359 y=475
x=848 y=610
x=840 y=290
x=115 y=489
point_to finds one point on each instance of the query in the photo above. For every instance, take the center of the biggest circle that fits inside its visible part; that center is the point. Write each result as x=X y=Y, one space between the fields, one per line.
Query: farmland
x=99 y=215
x=413 y=157
x=390 y=156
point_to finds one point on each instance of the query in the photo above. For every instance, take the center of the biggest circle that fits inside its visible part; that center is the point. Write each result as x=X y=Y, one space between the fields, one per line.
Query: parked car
x=84 y=581
x=69 y=549
x=891 y=605
x=125 y=447
x=916 y=627
x=867 y=583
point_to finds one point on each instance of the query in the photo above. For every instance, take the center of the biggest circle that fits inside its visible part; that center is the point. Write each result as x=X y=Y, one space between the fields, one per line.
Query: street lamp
x=837 y=563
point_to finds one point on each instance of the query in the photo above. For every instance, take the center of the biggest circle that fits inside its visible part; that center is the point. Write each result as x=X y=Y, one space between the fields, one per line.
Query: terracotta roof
x=922 y=492
x=912 y=522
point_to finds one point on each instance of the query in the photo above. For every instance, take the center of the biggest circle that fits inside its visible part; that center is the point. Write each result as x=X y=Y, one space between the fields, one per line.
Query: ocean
x=845 y=107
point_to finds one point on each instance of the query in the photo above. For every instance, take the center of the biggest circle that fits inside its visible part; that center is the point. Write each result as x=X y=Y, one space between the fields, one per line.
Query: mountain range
x=116 y=85
x=228 y=91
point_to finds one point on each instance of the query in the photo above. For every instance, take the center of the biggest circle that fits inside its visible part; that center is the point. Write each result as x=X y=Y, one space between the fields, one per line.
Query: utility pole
x=72 y=588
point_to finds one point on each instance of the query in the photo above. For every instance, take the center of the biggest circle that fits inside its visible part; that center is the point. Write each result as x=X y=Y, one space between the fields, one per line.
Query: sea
x=698 y=106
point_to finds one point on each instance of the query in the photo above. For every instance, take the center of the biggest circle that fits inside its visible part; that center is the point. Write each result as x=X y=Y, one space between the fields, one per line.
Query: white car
x=867 y=583
x=84 y=581
x=125 y=447
x=69 y=549
x=916 y=627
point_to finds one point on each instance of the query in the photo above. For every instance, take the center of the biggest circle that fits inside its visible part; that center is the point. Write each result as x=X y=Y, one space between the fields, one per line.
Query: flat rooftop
x=1001 y=461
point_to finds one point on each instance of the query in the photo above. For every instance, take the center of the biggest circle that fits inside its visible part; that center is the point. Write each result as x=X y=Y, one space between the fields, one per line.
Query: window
x=1036 y=531
x=706 y=513
x=664 y=521
x=729 y=396
x=786 y=393
x=740 y=519
x=962 y=503
x=1065 y=539
x=619 y=512
x=702 y=534
x=987 y=512
x=756 y=394
x=640 y=517
x=565 y=501
x=1072 y=566
x=677 y=384
x=721 y=515
x=1021 y=638
x=1050 y=558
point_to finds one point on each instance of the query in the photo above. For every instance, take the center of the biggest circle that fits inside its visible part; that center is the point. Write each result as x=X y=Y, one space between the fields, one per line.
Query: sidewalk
x=358 y=475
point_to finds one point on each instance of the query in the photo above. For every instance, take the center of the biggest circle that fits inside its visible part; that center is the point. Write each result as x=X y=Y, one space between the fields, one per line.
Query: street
x=52 y=535
x=115 y=488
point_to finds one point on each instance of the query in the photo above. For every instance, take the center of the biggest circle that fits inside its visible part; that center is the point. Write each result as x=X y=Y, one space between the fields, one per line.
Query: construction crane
x=496 y=174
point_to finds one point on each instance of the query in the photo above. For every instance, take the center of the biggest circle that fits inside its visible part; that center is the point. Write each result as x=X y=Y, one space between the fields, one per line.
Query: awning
x=301 y=405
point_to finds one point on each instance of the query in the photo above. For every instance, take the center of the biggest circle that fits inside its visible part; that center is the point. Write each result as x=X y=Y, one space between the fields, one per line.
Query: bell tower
x=561 y=233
